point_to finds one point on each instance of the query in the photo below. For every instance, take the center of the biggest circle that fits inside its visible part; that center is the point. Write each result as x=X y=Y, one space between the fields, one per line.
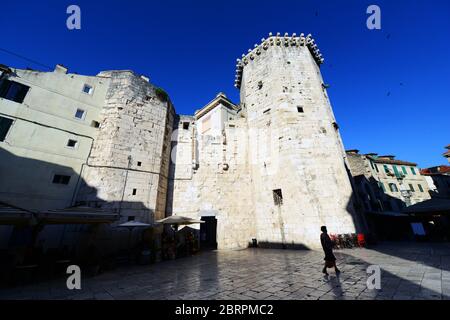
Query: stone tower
x=298 y=170
x=129 y=162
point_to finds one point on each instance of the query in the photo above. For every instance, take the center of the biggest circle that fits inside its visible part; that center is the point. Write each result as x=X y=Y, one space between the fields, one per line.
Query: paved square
x=409 y=271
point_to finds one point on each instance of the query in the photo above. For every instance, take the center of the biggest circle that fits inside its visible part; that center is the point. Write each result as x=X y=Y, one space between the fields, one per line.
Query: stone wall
x=211 y=177
x=128 y=164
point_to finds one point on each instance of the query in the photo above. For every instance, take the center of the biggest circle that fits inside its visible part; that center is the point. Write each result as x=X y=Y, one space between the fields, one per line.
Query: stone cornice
x=277 y=40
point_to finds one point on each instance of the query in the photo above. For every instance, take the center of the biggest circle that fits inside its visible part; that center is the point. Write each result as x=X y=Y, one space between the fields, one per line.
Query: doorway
x=208 y=233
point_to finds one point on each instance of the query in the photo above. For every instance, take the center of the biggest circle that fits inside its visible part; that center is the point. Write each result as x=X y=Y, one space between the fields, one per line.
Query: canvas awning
x=77 y=215
x=12 y=215
x=433 y=205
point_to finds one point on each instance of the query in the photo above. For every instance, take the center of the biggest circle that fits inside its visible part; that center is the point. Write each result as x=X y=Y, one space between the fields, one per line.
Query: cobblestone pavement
x=409 y=271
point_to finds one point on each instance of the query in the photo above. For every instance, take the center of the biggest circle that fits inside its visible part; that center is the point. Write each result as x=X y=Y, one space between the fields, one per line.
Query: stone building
x=97 y=144
x=438 y=179
x=271 y=168
x=275 y=168
x=384 y=183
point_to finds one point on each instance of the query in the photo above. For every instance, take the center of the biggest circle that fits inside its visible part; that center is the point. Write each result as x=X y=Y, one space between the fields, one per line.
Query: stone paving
x=409 y=271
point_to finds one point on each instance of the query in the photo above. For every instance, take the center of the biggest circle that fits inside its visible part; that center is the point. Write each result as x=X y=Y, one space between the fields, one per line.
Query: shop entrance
x=208 y=233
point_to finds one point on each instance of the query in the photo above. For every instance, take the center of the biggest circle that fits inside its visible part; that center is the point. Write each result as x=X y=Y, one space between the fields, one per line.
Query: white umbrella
x=179 y=220
x=133 y=224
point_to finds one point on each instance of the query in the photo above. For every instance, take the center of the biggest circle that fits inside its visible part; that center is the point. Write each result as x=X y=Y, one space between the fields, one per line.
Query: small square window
x=300 y=109
x=185 y=125
x=139 y=164
x=79 y=114
x=95 y=124
x=61 y=179
x=131 y=218
x=72 y=143
x=87 y=89
x=277 y=197
x=134 y=192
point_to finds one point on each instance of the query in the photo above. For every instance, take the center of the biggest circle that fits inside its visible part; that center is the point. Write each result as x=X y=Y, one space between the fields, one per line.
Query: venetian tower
x=296 y=156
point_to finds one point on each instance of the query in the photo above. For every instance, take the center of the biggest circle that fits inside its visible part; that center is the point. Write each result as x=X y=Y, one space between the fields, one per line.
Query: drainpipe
x=124 y=186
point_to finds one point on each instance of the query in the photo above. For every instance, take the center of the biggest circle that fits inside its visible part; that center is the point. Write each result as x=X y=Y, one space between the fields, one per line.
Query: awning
x=389 y=213
x=12 y=215
x=77 y=215
x=433 y=205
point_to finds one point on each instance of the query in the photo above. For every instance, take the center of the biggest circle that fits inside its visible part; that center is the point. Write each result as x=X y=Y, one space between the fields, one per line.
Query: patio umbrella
x=179 y=220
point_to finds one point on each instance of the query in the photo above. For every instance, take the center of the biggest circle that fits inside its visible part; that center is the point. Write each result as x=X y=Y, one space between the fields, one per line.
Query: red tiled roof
x=391 y=161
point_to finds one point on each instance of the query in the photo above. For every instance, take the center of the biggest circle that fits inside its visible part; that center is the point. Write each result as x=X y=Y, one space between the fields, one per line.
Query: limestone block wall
x=294 y=146
x=218 y=184
x=128 y=165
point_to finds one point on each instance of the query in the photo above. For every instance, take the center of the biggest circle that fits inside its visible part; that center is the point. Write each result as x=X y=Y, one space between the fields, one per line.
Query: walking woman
x=327 y=245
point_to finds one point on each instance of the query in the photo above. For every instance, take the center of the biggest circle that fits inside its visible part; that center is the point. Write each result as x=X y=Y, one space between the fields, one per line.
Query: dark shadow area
x=44 y=228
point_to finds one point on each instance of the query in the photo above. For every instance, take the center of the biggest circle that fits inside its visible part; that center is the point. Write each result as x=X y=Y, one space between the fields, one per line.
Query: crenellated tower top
x=277 y=40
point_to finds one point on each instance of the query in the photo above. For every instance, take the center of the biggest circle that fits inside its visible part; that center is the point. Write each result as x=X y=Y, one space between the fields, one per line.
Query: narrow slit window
x=277 y=197
x=134 y=192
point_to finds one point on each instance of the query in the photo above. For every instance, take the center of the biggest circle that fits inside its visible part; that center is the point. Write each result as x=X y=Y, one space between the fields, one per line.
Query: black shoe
x=324 y=270
x=337 y=270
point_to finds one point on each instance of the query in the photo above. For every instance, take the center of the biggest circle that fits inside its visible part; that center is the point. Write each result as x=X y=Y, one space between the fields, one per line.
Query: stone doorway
x=208 y=233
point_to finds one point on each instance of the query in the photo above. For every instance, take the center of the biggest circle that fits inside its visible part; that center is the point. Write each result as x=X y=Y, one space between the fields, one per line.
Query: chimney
x=59 y=68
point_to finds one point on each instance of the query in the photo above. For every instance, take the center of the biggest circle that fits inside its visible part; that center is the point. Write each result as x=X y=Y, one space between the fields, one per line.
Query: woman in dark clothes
x=327 y=245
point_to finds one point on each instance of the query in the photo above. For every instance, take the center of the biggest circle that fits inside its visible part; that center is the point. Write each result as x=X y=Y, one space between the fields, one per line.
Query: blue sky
x=389 y=87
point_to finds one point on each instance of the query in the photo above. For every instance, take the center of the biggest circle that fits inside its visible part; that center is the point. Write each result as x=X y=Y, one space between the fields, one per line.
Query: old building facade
x=386 y=184
x=271 y=168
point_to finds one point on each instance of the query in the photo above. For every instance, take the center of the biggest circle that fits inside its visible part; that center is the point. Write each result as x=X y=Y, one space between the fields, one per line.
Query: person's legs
x=324 y=270
x=336 y=268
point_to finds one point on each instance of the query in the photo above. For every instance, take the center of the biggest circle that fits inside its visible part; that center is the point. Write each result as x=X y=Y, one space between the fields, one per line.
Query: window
x=61 y=179
x=139 y=164
x=411 y=187
x=386 y=169
x=300 y=109
x=5 y=124
x=134 y=192
x=13 y=91
x=382 y=186
x=413 y=171
x=95 y=124
x=185 y=125
x=404 y=170
x=277 y=197
x=72 y=143
x=376 y=168
x=393 y=187
x=87 y=89
x=420 y=187
x=79 y=114
x=131 y=218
